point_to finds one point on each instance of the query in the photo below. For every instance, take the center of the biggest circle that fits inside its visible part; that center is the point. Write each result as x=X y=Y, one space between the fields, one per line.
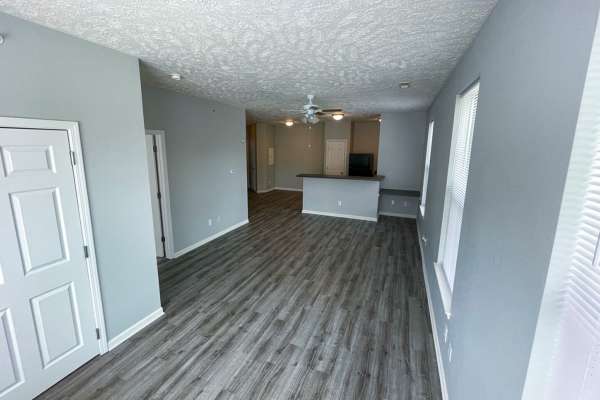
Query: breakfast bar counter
x=355 y=197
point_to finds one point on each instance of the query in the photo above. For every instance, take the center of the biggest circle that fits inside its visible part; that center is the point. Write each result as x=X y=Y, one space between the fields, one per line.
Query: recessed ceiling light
x=176 y=77
x=338 y=116
x=289 y=123
x=404 y=85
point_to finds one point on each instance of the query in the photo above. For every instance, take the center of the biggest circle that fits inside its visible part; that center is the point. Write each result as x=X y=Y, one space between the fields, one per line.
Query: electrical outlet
x=445 y=333
x=393 y=202
x=339 y=203
x=210 y=222
x=450 y=353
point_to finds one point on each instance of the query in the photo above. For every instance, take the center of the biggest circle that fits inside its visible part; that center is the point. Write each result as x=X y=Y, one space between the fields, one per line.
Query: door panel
x=57 y=323
x=12 y=372
x=40 y=228
x=23 y=159
x=47 y=324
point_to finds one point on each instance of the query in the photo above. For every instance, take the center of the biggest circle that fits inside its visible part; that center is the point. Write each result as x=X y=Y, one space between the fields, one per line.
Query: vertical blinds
x=457 y=183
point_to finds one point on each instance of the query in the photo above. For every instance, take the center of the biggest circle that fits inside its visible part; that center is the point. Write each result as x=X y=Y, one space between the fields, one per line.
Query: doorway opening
x=159 y=194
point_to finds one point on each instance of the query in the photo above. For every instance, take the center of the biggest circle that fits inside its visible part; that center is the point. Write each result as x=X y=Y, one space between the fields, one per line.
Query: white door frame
x=72 y=130
x=345 y=154
x=165 y=198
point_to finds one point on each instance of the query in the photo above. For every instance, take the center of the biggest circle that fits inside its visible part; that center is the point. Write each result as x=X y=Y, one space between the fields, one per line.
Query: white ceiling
x=266 y=55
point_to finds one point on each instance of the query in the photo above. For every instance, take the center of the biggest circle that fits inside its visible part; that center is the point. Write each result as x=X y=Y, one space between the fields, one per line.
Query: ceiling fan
x=311 y=112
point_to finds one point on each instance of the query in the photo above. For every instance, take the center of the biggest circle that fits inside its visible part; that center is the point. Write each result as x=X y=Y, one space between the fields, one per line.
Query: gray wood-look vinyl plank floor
x=290 y=306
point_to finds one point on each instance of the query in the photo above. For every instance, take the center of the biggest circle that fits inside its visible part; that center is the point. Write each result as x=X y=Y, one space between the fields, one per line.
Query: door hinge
x=86 y=252
x=159 y=195
x=98 y=333
x=73 y=158
x=155 y=149
x=162 y=239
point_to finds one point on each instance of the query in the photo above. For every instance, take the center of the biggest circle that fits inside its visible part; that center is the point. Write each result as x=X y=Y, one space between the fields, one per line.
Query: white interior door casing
x=335 y=157
x=154 y=200
x=47 y=320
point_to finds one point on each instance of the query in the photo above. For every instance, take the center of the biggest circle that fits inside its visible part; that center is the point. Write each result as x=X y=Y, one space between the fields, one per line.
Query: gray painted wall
x=402 y=140
x=532 y=60
x=206 y=158
x=402 y=206
x=358 y=198
x=49 y=75
x=265 y=138
x=297 y=150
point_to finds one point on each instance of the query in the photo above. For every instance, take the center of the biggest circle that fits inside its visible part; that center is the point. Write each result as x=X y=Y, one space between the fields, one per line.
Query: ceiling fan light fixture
x=289 y=123
x=338 y=116
x=310 y=119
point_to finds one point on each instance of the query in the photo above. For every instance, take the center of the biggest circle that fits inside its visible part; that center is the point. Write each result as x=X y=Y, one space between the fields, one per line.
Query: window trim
x=444 y=285
x=423 y=205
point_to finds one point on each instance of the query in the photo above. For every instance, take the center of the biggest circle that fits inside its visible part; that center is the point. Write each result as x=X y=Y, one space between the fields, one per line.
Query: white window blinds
x=462 y=150
x=456 y=188
x=565 y=356
x=576 y=370
x=426 y=170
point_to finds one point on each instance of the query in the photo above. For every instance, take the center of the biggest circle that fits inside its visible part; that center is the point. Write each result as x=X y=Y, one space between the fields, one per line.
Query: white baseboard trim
x=328 y=214
x=398 y=215
x=209 y=239
x=288 y=189
x=436 y=341
x=135 y=328
x=265 y=190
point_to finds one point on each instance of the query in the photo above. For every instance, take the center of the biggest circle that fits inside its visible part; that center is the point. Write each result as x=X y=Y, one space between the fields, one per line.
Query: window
x=426 y=171
x=565 y=357
x=456 y=188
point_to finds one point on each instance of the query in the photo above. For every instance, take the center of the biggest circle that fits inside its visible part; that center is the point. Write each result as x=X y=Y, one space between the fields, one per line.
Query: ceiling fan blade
x=332 y=110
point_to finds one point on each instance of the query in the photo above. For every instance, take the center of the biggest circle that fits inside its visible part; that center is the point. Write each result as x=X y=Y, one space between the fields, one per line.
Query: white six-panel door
x=47 y=324
x=335 y=157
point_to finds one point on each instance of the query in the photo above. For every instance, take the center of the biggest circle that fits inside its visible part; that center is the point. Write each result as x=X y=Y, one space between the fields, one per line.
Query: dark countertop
x=398 y=192
x=378 y=178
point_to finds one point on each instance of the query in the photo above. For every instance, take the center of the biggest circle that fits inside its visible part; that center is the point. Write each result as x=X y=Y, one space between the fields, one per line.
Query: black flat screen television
x=361 y=164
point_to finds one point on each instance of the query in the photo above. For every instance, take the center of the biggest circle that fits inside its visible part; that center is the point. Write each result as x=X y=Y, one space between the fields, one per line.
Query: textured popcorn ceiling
x=267 y=55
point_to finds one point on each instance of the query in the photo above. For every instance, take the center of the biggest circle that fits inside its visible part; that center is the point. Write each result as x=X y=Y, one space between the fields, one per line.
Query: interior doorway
x=336 y=151
x=159 y=193
x=251 y=156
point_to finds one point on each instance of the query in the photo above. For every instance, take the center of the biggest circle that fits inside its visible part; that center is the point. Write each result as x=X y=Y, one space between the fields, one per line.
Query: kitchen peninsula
x=355 y=197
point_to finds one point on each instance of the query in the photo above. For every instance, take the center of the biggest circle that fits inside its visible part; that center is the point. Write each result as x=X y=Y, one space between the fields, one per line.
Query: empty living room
x=256 y=200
